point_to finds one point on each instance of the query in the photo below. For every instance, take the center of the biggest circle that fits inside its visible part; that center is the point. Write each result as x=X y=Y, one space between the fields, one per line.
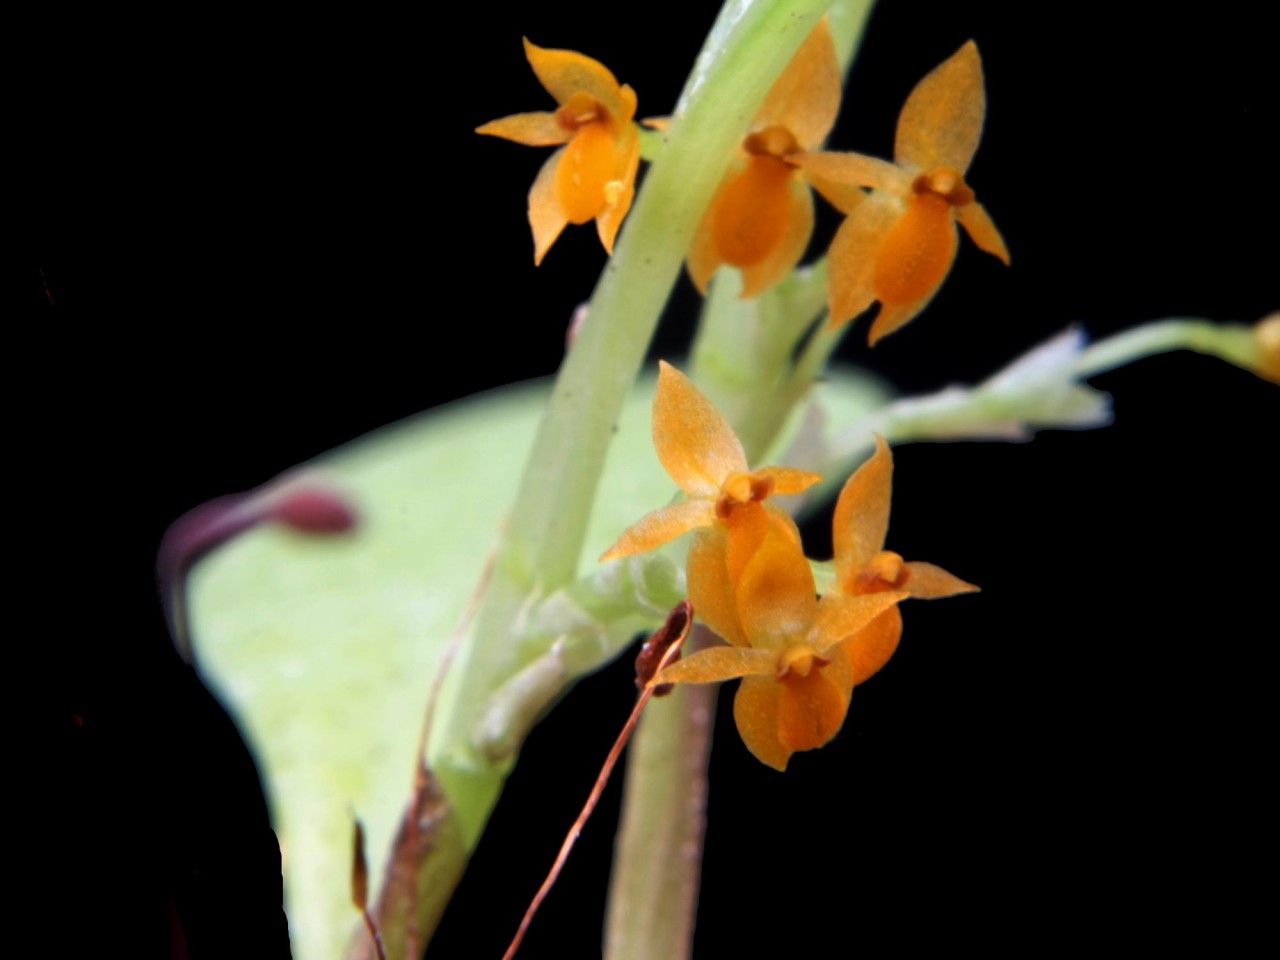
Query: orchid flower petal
x=915 y=257
x=812 y=709
x=662 y=526
x=851 y=260
x=755 y=711
x=750 y=210
x=790 y=247
x=862 y=514
x=840 y=616
x=806 y=96
x=546 y=217
x=977 y=223
x=916 y=252
x=566 y=72
x=624 y=183
x=776 y=598
x=719 y=663
x=833 y=174
x=871 y=647
x=712 y=589
x=929 y=582
x=941 y=122
x=693 y=440
x=788 y=480
x=537 y=129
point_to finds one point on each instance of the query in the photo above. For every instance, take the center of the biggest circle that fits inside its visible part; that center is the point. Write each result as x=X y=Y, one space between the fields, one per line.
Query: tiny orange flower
x=703 y=455
x=796 y=679
x=592 y=176
x=762 y=215
x=863 y=566
x=897 y=244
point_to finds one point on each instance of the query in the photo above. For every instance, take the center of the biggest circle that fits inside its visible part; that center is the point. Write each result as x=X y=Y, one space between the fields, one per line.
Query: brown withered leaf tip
x=427 y=823
x=672 y=632
x=359 y=869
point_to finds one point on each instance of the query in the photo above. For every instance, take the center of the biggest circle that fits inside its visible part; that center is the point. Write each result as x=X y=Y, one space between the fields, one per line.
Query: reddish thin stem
x=374 y=935
x=671 y=652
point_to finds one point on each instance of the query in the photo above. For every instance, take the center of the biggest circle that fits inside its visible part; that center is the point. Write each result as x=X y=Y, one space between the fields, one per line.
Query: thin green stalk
x=657 y=860
x=1234 y=342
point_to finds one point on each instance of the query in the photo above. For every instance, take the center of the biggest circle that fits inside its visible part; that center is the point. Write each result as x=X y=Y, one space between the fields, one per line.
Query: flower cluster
x=898 y=240
x=799 y=655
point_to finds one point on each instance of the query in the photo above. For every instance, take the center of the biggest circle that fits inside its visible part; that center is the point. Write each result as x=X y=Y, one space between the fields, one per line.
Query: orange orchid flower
x=702 y=454
x=897 y=244
x=592 y=176
x=762 y=215
x=863 y=566
x=786 y=647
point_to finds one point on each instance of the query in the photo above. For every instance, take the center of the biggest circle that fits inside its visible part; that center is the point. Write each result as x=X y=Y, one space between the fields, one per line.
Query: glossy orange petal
x=755 y=711
x=914 y=258
x=751 y=211
x=620 y=191
x=891 y=316
x=929 y=582
x=941 y=122
x=790 y=246
x=745 y=529
x=840 y=616
x=711 y=588
x=776 y=598
x=977 y=223
x=806 y=96
x=719 y=663
x=566 y=72
x=704 y=257
x=546 y=217
x=843 y=196
x=871 y=647
x=538 y=129
x=851 y=259
x=834 y=174
x=662 y=526
x=812 y=709
x=862 y=515
x=917 y=251
x=693 y=440
x=588 y=164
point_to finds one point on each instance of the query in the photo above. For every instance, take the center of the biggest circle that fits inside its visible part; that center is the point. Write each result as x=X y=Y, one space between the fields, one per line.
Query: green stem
x=657 y=860
x=1233 y=342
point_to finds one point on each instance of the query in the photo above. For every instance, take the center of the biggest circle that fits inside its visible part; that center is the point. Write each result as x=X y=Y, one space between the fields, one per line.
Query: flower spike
x=897 y=244
x=592 y=175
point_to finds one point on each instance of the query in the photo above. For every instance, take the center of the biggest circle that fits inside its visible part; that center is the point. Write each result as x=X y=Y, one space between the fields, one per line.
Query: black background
x=247 y=237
